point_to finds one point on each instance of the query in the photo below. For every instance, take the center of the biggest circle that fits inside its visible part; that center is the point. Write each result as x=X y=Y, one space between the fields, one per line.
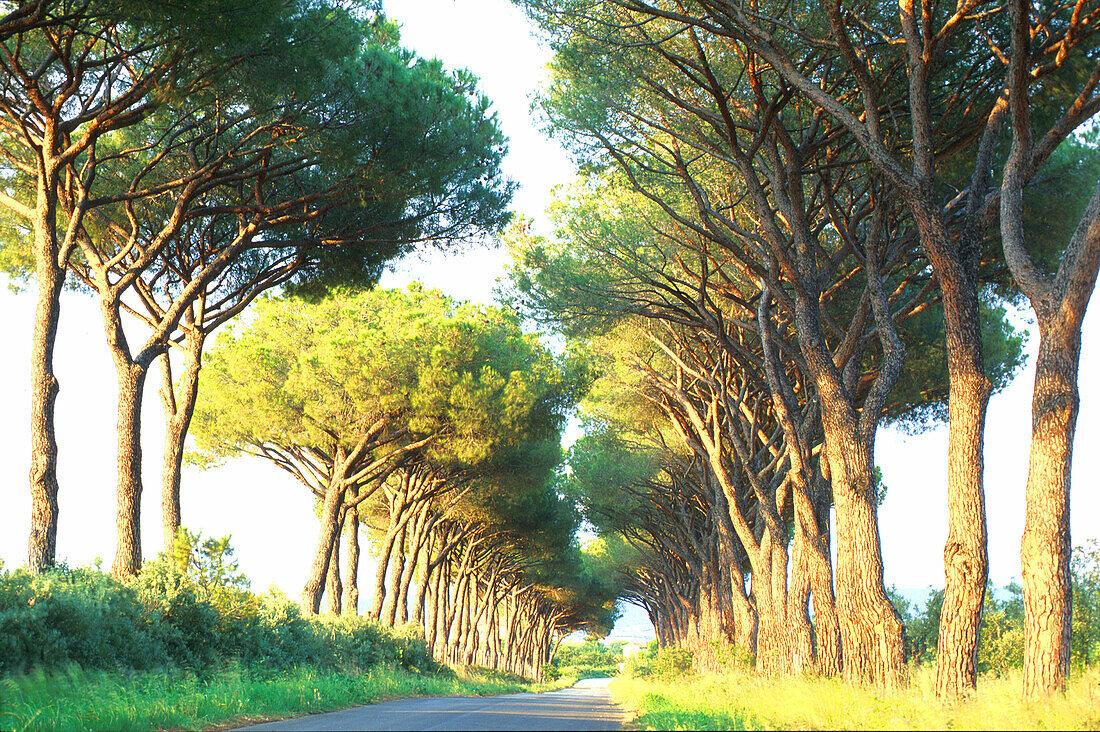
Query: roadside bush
x=76 y=616
x=665 y=664
x=183 y=614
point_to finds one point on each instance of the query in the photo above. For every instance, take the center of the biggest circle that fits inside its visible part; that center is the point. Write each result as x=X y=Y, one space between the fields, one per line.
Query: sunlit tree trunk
x=179 y=407
x=50 y=278
x=351 y=603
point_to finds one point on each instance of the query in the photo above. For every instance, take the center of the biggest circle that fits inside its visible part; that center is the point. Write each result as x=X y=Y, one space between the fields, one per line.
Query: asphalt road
x=586 y=706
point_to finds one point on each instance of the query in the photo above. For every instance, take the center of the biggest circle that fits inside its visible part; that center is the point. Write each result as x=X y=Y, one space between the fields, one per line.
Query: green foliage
x=592 y=659
x=163 y=620
x=1085 y=639
x=921 y=626
x=304 y=374
x=664 y=664
x=1001 y=637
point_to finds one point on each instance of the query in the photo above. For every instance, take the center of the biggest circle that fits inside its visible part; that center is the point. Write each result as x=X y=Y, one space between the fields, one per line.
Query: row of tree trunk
x=462 y=582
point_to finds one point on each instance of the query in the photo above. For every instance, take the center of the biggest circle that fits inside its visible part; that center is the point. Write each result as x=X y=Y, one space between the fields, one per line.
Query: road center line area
x=586 y=706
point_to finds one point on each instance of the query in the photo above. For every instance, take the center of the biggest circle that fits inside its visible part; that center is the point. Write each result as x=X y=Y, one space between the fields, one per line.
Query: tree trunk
x=407 y=580
x=397 y=579
x=334 y=588
x=826 y=622
x=326 y=538
x=131 y=383
x=178 y=410
x=965 y=555
x=380 y=575
x=1045 y=550
x=351 y=604
x=798 y=606
x=50 y=277
x=870 y=629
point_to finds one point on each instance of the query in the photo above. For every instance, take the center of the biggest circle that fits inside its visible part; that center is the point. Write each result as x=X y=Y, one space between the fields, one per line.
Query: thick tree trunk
x=966 y=561
x=798 y=606
x=826 y=622
x=50 y=277
x=179 y=407
x=965 y=555
x=131 y=383
x=42 y=544
x=1045 y=550
x=870 y=629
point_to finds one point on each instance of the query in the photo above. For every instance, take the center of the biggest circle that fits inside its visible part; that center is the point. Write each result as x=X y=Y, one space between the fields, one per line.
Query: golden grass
x=743 y=700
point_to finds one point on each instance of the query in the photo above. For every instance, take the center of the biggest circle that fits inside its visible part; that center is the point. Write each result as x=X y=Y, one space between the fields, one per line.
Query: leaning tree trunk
x=326 y=538
x=379 y=596
x=50 y=277
x=397 y=579
x=179 y=407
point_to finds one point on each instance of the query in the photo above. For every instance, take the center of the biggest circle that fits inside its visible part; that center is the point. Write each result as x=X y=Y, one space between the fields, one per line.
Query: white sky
x=271 y=516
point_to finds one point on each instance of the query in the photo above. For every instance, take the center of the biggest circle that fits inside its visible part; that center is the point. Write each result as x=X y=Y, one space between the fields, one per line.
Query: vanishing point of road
x=586 y=706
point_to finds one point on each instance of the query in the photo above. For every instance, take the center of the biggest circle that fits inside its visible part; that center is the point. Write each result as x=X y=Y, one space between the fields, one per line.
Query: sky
x=270 y=516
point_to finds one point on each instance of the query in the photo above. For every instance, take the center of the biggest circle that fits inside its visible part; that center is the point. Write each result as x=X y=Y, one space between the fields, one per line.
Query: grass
x=98 y=700
x=744 y=701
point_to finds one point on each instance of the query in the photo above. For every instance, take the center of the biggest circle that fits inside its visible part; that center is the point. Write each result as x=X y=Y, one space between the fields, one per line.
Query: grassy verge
x=744 y=701
x=99 y=700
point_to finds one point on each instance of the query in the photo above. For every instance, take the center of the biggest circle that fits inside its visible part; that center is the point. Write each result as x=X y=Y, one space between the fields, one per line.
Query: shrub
x=75 y=616
x=197 y=615
x=660 y=663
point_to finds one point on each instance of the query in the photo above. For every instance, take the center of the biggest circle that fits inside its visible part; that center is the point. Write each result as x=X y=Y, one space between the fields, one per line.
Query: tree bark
x=326 y=538
x=50 y=277
x=179 y=407
x=379 y=596
x=1045 y=550
x=334 y=587
x=131 y=384
x=351 y=603
x=397 y=579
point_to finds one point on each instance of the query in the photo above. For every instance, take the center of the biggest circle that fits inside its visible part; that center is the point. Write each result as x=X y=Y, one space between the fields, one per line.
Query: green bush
x=76 y=616
x=660 y=663
x=195 y=614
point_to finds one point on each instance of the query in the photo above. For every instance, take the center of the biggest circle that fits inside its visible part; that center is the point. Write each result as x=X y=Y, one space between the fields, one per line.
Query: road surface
x=586 y=706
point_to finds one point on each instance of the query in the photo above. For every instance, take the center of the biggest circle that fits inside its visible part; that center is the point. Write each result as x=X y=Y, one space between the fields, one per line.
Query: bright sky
x=271 y=516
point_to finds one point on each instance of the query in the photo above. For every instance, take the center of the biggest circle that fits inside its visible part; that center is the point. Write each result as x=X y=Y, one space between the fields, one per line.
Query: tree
x=344 y=393
x=72 y=73
x=362 y=179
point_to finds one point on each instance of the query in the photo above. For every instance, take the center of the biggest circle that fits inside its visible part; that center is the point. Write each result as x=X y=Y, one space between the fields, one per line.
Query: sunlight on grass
x=745 y=701
x=78 y=700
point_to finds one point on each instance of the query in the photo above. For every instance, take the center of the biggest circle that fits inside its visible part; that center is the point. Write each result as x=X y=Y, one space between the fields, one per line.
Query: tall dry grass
x=742 y=700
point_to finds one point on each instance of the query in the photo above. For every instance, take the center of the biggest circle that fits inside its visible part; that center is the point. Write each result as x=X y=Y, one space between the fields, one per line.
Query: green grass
x=745 y=701
x=99 y=700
